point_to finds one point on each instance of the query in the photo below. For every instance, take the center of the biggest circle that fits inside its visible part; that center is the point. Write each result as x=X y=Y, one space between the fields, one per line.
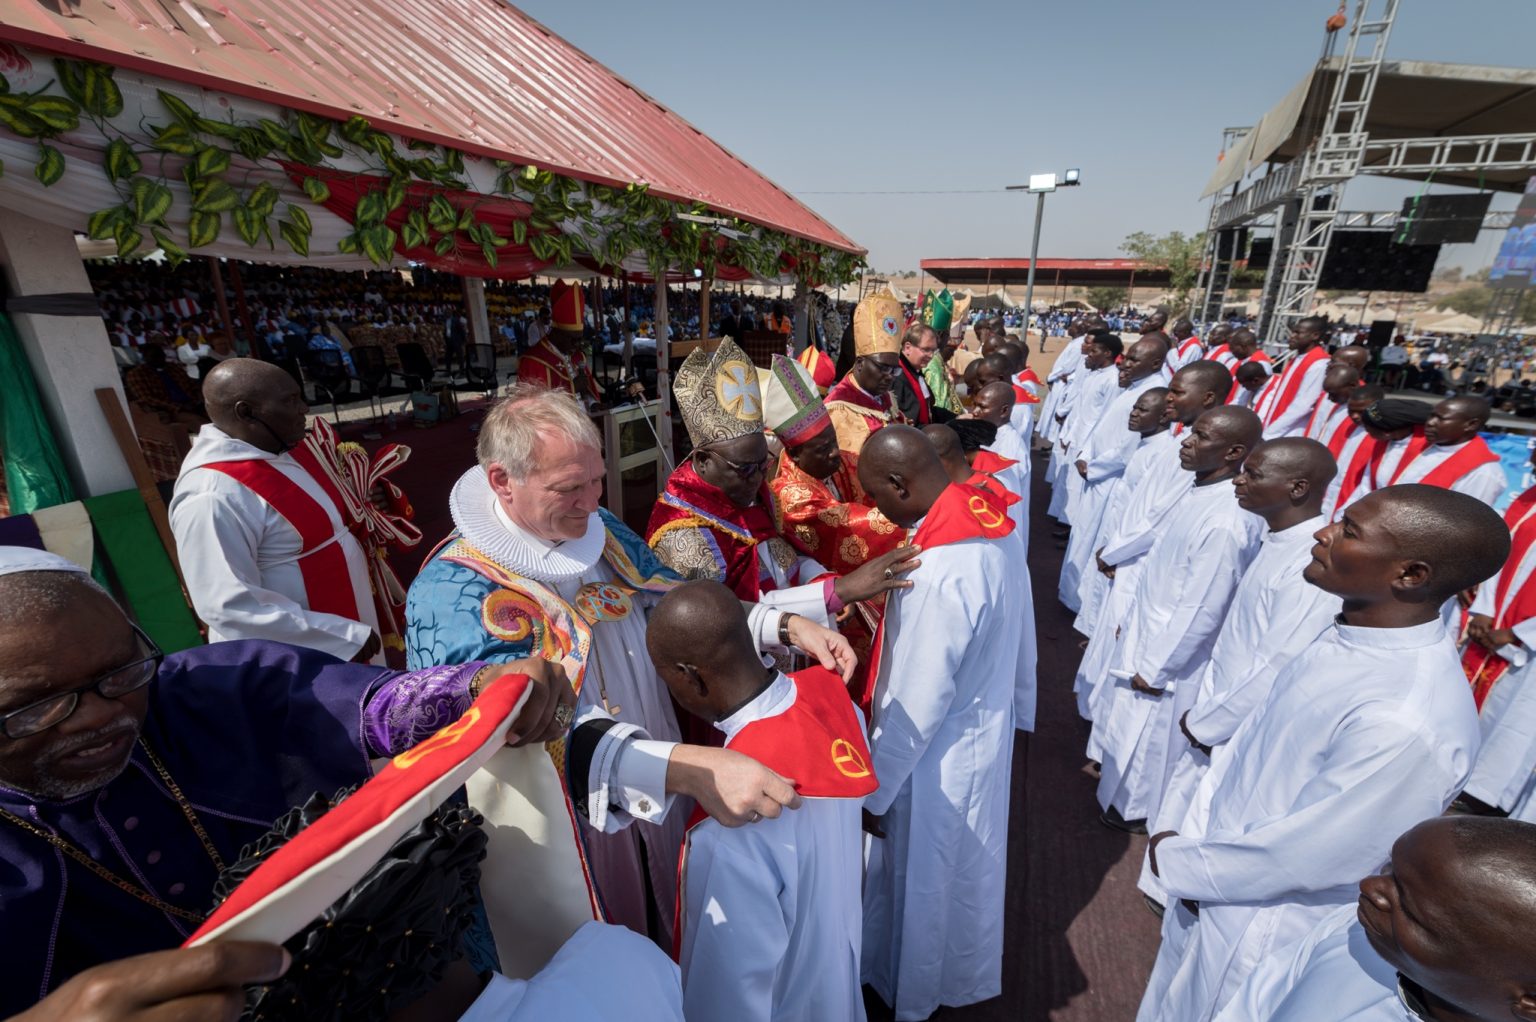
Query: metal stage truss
x=1299 y=199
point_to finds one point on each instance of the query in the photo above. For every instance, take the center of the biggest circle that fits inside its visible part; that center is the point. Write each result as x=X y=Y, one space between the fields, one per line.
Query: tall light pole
x=1041 y=185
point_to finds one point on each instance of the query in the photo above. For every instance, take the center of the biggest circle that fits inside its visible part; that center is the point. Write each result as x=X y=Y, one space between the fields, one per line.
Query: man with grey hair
x=535 y=567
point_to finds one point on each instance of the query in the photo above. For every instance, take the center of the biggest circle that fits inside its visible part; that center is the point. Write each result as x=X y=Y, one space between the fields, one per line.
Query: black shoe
x=1112 y=819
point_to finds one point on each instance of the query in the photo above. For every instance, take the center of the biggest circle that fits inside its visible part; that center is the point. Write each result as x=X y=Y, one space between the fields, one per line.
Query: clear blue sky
x=839 y=96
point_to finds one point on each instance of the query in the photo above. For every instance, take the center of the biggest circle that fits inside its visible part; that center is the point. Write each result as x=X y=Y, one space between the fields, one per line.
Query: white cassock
x=1326 y=417
x=1331 y=974
x=942 y=746
x=1383 y=472
x=1095 y=585
x=1058 y=466
x=1182 y=595
x=1022 y=418
x=1067 y=363
x=1107 y=451
x=1366 y=733
x=1100 y=388
x=1291 y=420
x=772 y=916
x=1503 y=775
x=1348 y=454
x=1275 y=614
x=638 y=983
x=1016 y=477
x=239 y=557
x=1486 y=482
x=1182 y=354
x=1089 y=397
x=1160 y=487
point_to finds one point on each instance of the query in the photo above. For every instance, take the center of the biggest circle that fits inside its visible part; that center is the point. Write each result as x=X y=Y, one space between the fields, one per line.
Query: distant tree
x=1181 y=254
x=1106 y=298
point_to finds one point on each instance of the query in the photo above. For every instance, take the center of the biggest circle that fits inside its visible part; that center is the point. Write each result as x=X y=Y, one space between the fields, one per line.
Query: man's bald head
x=1243 y=342
x=1206 y=376
x=256 y=402
x=1461 y=540
x=1146 y=356
x=1300 y=458
x=1352 y=355
x=996 y=366
x=1457 y=420
x=1238 y=426
x=899 y=468
x=994 y=403
x=1157 y=341
x=946 y=443
x=1453 y=916
x=700 y=644
x=1284 y=481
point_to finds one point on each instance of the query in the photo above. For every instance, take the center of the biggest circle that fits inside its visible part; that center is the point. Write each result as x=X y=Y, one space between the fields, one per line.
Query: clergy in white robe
x=1397 y=426
x=1068 y=361
x=1287 y=401
x=769 y=916
x=1332 y=412
x=1092 y=393
x=1146 y=420
x=639 y=984
x=1105 y=454
x=1275 y=614
x=942 y=738
x=1457 y=457
x=1497 y=657
x=1444 y=933
x=264 y=544
x=1372 y=722
x=1186 y=348
x=1182 y=595
x=1193 y=390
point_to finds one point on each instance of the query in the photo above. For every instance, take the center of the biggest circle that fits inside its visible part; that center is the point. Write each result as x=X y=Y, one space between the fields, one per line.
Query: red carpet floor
x=1080 y=942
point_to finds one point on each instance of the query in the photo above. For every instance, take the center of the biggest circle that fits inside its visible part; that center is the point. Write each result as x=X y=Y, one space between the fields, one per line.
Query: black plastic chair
x=415 y=367
x=328 y=374
x=480 y=368
x=372 y=374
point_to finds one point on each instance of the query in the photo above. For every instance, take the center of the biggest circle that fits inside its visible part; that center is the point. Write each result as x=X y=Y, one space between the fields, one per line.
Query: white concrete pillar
x=71 y=356
x=475 y=310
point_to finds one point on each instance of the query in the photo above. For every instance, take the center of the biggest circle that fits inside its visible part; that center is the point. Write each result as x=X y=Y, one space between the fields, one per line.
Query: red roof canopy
x=1067 y=272
x=479 y=75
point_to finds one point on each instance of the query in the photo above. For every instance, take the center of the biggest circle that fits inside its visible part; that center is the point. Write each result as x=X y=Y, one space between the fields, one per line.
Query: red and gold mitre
x=567 y=307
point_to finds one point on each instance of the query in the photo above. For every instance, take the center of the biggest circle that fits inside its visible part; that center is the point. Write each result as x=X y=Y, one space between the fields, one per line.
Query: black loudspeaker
x=1441 y=219
x=1259 y=253
x=1230 y=243
x=1371 y=261
x=1381 y=332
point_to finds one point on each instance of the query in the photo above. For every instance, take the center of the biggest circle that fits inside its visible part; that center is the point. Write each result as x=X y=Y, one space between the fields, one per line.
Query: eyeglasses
x=888 y=370
x=744 y=469
x=116 y=683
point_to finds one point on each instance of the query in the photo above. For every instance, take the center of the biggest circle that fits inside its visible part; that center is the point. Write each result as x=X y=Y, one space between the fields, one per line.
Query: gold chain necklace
x=112 y=878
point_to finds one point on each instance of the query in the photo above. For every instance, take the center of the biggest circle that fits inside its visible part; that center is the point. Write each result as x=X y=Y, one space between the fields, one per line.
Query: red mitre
x=567 y=307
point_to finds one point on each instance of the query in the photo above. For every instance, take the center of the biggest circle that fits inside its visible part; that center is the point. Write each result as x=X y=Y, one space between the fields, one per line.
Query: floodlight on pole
x=1041 y=185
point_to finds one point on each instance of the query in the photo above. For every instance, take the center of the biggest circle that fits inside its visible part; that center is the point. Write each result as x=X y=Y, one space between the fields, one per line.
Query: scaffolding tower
x=1300 y=200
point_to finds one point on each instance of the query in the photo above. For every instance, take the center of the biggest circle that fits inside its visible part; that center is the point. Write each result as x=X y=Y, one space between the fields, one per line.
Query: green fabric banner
x=142 y=570
x=34 y=471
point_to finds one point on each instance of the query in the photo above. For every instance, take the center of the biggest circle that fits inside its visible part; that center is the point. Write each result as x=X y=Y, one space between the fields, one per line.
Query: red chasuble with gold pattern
x=857 y=413
x=547 y=366
x=836 y=524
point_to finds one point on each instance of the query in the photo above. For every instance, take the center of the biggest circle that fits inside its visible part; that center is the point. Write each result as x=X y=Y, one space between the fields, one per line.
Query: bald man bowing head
x=1366 y=732
x=265 y=546
x=942 y=734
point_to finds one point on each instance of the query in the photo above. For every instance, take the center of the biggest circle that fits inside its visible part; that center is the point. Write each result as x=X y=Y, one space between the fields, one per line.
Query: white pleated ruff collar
x=478 y=517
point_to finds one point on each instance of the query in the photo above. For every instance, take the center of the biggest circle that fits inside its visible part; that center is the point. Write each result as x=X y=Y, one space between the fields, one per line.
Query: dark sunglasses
x=116 y=683
x=744 y=469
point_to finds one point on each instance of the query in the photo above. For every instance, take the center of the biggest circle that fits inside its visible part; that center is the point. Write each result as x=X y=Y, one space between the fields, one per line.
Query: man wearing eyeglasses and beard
x=713 y=520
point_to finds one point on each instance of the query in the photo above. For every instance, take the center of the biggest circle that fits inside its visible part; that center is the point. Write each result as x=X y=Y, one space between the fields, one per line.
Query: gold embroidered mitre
x=877 y=323
x=718 y=394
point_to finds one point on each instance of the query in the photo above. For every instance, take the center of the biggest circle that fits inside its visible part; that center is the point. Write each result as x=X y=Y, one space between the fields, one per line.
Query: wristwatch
x=784 y=620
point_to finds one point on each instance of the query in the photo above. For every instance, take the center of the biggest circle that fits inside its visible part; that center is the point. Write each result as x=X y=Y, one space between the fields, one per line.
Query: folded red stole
x=1474 y=454
x=1510 y=606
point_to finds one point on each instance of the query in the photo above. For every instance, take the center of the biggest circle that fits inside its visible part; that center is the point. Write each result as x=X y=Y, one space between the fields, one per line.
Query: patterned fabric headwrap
x=938 y=309
x=877 y=324
x=718 y=394
x=792 y=406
